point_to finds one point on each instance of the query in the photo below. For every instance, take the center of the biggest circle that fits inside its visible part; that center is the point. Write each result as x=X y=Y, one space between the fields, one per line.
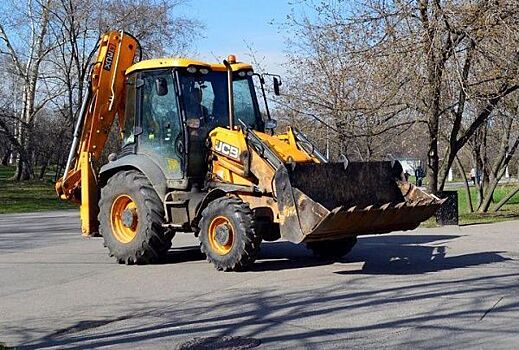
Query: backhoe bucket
x=326 y=201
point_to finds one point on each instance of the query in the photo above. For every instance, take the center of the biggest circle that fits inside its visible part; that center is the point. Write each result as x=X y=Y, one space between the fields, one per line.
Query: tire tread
x=154 y=242
x=243 y=256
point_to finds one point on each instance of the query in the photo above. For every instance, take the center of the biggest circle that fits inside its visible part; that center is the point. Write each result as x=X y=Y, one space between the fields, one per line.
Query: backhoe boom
x=102 y=102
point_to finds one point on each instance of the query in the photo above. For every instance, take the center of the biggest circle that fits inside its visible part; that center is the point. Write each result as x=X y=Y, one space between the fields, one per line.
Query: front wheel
x=333 y=249
x=130 y=217
x=228 y=236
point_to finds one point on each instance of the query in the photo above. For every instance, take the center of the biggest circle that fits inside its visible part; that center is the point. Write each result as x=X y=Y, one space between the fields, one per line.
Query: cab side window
x=129 y=112
x=160 y=118
x=161 y=128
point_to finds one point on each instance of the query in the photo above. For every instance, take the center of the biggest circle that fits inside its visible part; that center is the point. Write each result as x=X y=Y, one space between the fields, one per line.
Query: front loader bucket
x=326 y=201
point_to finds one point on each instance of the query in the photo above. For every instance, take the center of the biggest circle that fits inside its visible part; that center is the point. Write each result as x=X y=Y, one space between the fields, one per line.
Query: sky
x=232 y=26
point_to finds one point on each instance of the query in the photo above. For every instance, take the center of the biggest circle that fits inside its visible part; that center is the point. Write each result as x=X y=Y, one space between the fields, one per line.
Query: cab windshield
x=204 y=97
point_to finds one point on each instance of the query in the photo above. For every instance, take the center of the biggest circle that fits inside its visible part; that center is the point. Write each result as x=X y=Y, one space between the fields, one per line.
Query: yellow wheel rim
x=124 y=218
x=221 y=235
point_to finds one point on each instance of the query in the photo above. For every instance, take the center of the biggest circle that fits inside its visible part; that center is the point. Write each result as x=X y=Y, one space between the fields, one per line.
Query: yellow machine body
x=281 y=175
x=312 y=201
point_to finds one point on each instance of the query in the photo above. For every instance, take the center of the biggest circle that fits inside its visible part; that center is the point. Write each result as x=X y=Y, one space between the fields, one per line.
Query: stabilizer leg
x=89 y=208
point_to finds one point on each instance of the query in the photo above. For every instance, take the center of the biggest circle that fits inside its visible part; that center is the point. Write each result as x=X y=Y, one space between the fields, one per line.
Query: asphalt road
x=430 y=288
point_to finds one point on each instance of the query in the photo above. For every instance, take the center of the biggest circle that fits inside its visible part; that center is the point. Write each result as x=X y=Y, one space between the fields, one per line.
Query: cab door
x=161 y=137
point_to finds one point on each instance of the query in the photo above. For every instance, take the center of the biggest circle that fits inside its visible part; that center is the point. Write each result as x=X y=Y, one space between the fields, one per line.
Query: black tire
x=236 y=219
x=333 y=249
x=151 y=241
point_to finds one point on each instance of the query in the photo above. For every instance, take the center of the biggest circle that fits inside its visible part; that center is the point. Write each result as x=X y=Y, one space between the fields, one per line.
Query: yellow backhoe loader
x=197 y=156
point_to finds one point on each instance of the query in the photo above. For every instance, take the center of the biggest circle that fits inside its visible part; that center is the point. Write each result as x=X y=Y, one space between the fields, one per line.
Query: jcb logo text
x=228 y=150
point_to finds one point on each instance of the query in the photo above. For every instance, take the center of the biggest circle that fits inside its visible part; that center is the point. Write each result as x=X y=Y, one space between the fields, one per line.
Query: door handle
x=180 y=145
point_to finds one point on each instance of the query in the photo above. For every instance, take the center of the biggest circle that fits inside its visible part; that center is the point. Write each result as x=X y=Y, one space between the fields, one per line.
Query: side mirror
x=277 y=84
x=271 y=124
x=161 y=85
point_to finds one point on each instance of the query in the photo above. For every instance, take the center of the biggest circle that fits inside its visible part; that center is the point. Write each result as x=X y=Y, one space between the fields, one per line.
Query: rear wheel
x=228 y=235
x=333 y=249
x=131 y=216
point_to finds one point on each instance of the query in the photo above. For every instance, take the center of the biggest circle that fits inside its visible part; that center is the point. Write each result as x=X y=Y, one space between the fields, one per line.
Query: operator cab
x=173 y=104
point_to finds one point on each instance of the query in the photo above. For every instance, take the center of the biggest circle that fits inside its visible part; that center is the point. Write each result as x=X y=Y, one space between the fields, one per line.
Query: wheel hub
x=124 y=218
x=129 y=217
x=222 y=234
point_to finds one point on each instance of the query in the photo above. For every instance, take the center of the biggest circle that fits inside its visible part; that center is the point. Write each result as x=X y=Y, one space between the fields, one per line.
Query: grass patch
x=509 y=211
x=28 y=196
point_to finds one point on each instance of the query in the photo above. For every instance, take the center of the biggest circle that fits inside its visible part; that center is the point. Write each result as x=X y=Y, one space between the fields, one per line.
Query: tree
x=494 y=147
x=27 y=61
x=376 y=68
x=51 y=67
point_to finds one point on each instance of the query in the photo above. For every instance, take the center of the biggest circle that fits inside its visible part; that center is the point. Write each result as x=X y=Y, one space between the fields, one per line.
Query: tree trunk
x=432 y=166
x=443 y=172
x=500 y=163
x=59 y=168
x=6 y=157
x=489 y=194
x=43 y=169
x=433 y=124
x=435 y=70
x=23 y=166
x=467 y=186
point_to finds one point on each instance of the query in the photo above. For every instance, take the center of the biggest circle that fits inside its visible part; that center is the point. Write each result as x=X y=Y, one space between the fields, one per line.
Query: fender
x=200 y=206
x=139 y=162
x=217 y=190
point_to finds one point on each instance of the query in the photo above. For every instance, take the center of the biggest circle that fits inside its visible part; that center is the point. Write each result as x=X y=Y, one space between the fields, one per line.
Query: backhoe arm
x=102 y=102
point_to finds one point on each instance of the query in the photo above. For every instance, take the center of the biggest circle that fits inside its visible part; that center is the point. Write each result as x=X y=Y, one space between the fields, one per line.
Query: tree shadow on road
x=262 y=313
x=259 y=313
x=391 y=254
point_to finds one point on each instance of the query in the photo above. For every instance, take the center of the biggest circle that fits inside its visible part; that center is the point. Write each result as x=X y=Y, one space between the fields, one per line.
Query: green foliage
x=28 y=196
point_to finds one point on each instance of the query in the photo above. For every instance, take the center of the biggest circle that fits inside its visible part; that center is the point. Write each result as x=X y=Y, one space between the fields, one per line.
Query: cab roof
x=179 y=62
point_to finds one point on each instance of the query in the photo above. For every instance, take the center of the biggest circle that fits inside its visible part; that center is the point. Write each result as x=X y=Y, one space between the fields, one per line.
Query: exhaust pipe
x=230 y=60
